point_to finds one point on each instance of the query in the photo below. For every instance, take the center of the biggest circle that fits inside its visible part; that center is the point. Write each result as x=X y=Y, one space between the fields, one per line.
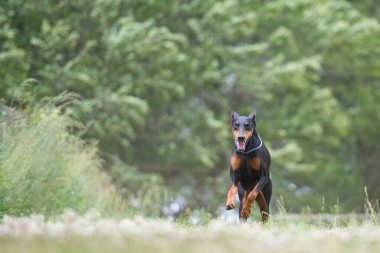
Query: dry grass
x=92 y=233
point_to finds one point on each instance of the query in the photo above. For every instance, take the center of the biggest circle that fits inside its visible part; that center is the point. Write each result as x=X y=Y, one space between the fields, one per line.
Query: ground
x=92 y=233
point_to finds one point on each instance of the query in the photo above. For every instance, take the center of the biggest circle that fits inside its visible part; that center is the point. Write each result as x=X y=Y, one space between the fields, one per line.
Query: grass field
x=92 y=233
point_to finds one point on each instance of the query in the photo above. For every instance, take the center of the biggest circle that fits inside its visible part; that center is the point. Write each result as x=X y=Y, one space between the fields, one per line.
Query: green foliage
x=46 y=169
x=159 y=78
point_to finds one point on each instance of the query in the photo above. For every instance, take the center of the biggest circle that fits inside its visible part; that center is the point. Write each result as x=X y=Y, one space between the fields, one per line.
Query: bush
x=44 y=168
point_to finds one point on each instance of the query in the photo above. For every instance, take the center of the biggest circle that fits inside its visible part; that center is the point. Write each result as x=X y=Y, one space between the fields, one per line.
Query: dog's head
x=242 y=128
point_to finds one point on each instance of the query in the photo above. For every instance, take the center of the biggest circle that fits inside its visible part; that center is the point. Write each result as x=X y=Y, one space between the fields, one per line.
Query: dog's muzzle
x=240 y=143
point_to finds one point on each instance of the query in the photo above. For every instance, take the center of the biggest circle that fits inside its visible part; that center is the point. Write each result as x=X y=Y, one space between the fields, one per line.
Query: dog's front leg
x=235 y=178
x=230 y=197
x=245 y=211
x=242 y=196
x=232 y=191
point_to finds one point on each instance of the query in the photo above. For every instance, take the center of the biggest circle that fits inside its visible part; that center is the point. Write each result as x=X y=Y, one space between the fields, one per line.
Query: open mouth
x=240 y=144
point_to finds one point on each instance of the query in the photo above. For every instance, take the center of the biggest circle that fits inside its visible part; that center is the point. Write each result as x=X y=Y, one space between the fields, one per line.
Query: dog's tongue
x=240 y=145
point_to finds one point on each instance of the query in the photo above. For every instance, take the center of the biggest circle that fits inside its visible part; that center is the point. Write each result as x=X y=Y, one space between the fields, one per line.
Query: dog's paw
x=242 y=220
x=245 y=213
x=230 y=206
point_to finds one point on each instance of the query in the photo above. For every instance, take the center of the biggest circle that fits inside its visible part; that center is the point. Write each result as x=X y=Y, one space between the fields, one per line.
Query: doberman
x=250 y=162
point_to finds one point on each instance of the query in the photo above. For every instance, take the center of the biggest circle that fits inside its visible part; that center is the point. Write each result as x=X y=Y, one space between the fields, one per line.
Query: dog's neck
x=253 y=141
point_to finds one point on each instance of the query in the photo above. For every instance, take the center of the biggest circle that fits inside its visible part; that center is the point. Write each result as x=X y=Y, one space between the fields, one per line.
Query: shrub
x=45 y=168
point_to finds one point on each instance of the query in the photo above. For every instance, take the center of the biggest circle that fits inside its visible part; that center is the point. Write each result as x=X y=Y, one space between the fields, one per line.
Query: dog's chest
x=249 y=169
x=243 y=163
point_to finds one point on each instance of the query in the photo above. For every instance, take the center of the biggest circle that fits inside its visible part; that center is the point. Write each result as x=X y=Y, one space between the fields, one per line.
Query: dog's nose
x=241 y=138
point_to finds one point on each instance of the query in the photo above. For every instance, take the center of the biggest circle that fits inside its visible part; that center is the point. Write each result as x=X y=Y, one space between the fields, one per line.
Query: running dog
x=249 y=168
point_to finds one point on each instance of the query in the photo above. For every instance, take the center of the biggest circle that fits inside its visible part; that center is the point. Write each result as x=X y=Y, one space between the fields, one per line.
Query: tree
x=159 y=78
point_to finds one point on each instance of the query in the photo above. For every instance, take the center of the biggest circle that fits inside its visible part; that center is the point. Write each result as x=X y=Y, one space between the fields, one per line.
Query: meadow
x=58 y=170
x=93 y=233
x=124 y=107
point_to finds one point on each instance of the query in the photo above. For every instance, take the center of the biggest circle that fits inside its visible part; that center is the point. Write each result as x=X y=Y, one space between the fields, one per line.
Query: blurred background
x=152 y=84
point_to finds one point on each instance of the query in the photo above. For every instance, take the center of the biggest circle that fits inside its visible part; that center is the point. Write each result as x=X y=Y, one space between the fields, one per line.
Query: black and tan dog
x=250 y=162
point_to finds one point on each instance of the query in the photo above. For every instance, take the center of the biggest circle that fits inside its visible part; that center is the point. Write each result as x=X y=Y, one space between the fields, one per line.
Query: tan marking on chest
x=235 y=162
x=255 y=163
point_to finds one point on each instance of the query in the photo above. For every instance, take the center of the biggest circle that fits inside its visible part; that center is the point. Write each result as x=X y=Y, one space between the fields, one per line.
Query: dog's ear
x=234 y=115
x=252 y=116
